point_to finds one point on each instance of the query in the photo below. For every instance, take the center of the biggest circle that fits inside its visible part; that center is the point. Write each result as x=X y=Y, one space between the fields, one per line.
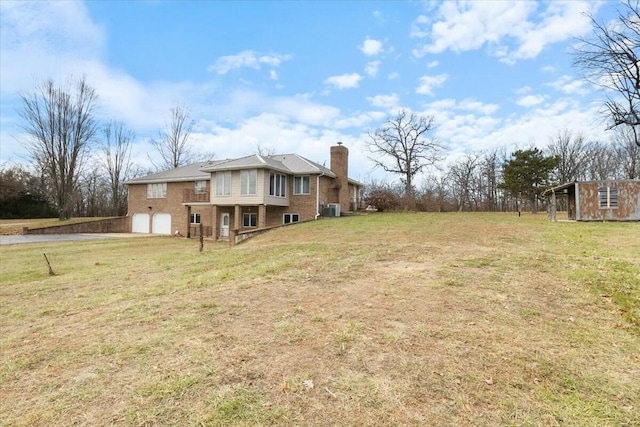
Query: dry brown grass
x=388 y=319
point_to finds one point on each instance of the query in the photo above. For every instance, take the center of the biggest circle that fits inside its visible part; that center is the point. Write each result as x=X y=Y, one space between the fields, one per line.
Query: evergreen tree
x=527 y=174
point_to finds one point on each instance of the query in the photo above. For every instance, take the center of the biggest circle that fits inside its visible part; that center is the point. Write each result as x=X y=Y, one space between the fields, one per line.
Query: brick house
x=241 y=194
x=611 y=200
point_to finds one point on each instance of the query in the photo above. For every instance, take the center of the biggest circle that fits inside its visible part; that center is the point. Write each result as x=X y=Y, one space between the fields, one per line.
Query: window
x=201 y=187
x=277 y=185
x=300 y=185
x=291 y=217
x=195 y=218
x=248 y=182
x=157 y=191
x=608 y=197
x=250 y=220
x=223 y=183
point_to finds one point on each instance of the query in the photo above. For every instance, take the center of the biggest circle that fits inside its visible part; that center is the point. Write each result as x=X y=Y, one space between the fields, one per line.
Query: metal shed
x=610 y=200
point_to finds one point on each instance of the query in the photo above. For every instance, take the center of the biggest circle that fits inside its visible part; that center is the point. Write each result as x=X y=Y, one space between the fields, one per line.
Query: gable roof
x=293 y=164
x=192 y=172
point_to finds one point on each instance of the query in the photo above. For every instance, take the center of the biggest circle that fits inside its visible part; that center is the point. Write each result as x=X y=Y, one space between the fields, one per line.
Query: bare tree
x=491 y=170
x=116 y=162
x=573 y=150
x=265 y=151
x=404 y=146
x=611 y=61
x=602 y=162
x=627 y=154
x=173 y=142
x=59 y=126
x=462 y=179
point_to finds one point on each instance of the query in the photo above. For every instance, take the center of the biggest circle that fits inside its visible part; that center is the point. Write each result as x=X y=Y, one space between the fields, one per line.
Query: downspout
x=318 y=194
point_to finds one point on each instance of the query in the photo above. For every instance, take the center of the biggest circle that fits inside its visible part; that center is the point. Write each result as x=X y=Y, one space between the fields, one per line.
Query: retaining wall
x=110 y=225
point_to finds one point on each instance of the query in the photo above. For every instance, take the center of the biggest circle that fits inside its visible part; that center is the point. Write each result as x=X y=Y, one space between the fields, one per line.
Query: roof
x=571 y=184
x=192 y=172
x=292 y=164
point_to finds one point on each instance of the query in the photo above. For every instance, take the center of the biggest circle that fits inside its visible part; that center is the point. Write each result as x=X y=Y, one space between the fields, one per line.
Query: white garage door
x=140 y=223
x=161 y=223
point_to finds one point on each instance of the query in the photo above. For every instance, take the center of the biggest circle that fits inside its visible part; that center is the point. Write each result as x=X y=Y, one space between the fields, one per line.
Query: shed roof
x=564 y=186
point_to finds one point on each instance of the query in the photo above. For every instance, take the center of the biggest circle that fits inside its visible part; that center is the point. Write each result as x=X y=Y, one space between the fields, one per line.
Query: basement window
x=608 y=197
x=291 y=217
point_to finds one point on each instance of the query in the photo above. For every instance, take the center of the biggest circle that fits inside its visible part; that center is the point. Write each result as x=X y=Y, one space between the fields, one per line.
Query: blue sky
x=299 y=76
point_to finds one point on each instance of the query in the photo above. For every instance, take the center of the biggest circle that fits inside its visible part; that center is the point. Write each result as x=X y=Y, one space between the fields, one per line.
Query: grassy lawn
x=383 y=319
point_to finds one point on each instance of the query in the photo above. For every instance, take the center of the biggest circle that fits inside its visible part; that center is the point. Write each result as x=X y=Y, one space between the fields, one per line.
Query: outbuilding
x=610 y=200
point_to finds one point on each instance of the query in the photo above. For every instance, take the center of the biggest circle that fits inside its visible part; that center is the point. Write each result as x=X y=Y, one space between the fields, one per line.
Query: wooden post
x=51 y=273
x=552 y=207
x=201 y=238
x=188 y=221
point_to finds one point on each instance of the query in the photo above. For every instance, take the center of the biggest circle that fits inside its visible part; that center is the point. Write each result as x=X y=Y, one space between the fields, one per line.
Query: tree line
x=496 y=180
x=79 y=165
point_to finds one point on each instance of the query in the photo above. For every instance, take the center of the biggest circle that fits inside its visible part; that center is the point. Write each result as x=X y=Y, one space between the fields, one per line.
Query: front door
x=224 y=226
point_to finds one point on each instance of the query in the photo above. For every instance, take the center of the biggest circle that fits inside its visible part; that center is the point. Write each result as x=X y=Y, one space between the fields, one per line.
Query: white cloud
x=509 y=30
x=477 y=106
x=372 y=68
x=273 y=75
x=45 y=37
x=247 y=59
x=530 y=100
x=62 y=26
x=428 y=83
x=461 y=131
x=372 y=119
x=570 y=85
x=384 y=101
x=433 y=64
x=524 y=90
x=284 y=135
x=393 y=76
x=371 y=47
x=344 y=81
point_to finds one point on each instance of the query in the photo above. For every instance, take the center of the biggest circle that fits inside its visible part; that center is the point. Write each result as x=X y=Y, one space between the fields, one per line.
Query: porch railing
x=190 y=196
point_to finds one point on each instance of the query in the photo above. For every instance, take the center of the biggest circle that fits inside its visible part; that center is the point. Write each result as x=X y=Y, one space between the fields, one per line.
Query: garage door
x=161 y=223
x=140 y=223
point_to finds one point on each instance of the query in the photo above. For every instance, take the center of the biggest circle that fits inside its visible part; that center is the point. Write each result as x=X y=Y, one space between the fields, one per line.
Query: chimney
x=340 y=166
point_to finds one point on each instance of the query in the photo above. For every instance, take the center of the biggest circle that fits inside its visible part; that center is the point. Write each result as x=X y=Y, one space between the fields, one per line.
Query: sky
x=299 y=76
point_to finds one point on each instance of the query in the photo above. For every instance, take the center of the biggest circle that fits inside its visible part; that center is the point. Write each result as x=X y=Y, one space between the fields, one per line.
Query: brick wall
x=110 y=225
x=172 y=204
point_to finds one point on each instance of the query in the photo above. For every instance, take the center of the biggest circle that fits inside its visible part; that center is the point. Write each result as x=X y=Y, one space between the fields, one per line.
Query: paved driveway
x=42 y=238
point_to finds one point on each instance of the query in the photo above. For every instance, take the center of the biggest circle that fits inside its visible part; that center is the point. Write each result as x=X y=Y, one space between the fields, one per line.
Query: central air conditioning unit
x=332 y=209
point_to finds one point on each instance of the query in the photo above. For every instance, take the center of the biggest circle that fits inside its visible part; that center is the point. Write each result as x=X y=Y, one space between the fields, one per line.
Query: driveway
x=43 y=238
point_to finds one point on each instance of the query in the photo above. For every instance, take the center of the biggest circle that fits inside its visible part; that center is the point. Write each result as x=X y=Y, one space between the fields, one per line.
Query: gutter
x=318 y=194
